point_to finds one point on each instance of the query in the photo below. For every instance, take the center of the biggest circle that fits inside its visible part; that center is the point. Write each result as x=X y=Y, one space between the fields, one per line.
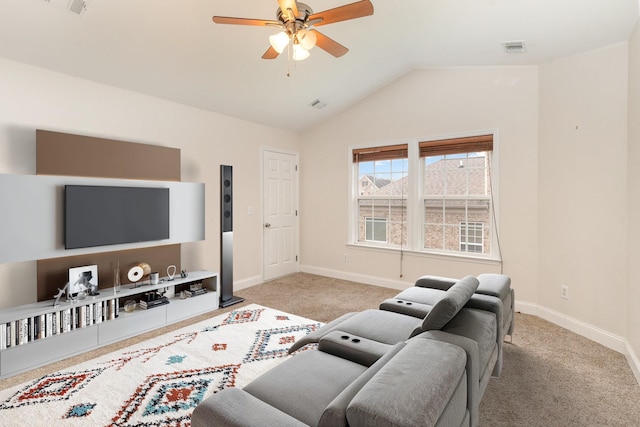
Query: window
x=471 y=236
x=381 y=198
x=443 y=205
x=375 y=229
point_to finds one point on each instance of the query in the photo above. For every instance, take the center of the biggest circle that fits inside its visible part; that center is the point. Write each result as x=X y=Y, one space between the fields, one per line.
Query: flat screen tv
x=104 y=215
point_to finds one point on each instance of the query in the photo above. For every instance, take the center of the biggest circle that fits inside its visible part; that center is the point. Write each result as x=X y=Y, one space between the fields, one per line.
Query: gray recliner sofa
x=416 y=383
x=448 y=319
x=371 y=339
x=493 y=294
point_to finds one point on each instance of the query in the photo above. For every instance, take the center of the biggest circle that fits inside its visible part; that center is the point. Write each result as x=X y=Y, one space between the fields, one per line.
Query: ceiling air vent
x=317 y=104
x=77 y=7
x=517 y=46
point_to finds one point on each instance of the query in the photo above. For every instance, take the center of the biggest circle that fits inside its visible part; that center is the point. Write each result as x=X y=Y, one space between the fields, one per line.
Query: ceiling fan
x=298 y=21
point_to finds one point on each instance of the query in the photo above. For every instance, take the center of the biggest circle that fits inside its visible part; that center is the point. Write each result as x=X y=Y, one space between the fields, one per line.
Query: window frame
x=414 y=199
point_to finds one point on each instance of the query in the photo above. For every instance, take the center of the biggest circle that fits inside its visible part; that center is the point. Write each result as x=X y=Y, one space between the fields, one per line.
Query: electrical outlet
x=564 y=291
x=345 y=257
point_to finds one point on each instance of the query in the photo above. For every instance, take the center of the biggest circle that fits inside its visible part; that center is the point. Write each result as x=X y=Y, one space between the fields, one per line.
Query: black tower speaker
x=226 y=238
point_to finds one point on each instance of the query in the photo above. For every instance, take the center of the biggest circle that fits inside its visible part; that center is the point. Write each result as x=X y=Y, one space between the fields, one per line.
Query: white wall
x=427 y=103
x=583 y=187
x=33 y=98
x=633 y=280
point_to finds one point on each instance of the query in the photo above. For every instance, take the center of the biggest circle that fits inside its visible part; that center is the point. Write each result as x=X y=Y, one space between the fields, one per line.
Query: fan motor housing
x=304 y=11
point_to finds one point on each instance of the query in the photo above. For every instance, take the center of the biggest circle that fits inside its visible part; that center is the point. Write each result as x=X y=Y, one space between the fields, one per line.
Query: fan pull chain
x=289 y=60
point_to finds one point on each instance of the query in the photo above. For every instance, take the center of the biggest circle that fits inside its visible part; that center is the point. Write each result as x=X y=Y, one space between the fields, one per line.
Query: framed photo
x=79 y=275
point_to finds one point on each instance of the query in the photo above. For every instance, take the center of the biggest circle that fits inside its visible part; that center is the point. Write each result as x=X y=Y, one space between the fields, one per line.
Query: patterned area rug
x=160 y=381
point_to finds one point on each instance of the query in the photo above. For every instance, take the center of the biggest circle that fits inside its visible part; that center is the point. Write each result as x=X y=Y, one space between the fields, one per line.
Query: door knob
x=267 y=225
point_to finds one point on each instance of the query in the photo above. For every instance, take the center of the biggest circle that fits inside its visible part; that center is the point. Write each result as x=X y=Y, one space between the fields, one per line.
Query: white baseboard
x=634 y=362
x=579 y=327
x=586 y=330
x=247 y=283
x=354 y=277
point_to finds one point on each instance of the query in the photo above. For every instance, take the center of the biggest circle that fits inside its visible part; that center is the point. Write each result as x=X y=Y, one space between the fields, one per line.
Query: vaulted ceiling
x=172 y=50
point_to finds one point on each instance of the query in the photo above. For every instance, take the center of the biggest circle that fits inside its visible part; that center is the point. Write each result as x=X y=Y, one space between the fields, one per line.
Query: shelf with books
x=71 y=327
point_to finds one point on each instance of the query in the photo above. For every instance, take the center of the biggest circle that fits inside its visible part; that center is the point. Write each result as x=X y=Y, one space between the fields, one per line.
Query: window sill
x=486 y=260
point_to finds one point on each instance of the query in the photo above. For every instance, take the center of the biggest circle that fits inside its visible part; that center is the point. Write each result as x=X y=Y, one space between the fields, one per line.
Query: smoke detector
x=76 y=7
x=516 y=46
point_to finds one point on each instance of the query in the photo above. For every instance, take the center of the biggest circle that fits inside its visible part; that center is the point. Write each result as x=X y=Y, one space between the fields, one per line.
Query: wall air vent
x=316 y=103
x=77 y=7
x=517 y=46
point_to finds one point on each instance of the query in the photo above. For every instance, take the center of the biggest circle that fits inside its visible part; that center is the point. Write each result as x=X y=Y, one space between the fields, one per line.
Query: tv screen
x=103 y=215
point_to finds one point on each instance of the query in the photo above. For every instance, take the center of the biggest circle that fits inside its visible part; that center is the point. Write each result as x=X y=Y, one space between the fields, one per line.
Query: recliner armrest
x=315 y=336
x=409 y=308
x=233 y=407
x=435 y=282
x=497 y=285
x=352 y=347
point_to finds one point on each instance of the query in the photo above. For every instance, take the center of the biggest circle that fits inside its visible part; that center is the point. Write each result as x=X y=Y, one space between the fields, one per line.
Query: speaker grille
x=226 y=198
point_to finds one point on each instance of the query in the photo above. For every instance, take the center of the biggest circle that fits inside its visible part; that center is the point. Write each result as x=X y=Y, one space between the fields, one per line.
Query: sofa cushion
x=233 y=407
x=450 y=303
x=305 y=384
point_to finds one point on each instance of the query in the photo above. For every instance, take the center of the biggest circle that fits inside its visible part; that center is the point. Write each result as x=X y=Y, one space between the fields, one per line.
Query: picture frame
x=75 y=276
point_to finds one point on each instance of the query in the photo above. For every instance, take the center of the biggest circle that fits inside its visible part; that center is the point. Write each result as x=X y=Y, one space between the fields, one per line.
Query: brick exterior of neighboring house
x=443 y=215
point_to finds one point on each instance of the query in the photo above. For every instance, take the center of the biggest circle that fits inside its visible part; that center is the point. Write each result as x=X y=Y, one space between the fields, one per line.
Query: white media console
x=41 y=333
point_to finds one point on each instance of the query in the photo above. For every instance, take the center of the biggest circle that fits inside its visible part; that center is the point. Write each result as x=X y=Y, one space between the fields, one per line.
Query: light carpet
x=160 y=381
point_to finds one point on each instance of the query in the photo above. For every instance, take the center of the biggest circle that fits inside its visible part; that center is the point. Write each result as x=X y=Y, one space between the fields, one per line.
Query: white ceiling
x=172 y=50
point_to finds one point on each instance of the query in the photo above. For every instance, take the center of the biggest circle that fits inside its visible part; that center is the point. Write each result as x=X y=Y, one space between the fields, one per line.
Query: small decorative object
x=171 y=271
x=59 y=294
x=183 y=274
x=155 y=278
x=116 y=279
x=138 y=272
x=82 y=281
x=129 y=306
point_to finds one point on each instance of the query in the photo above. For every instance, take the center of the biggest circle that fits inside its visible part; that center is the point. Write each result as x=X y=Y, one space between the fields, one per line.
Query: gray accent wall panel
x=32 y=216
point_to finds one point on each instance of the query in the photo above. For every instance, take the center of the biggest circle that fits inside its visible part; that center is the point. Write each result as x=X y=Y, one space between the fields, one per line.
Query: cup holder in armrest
x=409 y=308
x=357 y=349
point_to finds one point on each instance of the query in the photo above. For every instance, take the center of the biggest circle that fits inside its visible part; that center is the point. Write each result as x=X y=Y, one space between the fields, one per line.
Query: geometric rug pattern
x=160 y=381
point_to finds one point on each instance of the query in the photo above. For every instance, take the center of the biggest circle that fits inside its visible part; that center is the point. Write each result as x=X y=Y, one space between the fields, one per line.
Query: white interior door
x=280 y=223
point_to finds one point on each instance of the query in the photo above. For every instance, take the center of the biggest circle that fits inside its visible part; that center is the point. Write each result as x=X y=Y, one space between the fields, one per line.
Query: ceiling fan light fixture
x=299 y=53
x=279 y=41
x=307 y=39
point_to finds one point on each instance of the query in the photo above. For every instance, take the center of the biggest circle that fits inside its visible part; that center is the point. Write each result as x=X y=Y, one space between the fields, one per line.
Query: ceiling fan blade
x=291 y=5
x=245 y=21
x=271 y=53
x=329 y=45
x=343 y=13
